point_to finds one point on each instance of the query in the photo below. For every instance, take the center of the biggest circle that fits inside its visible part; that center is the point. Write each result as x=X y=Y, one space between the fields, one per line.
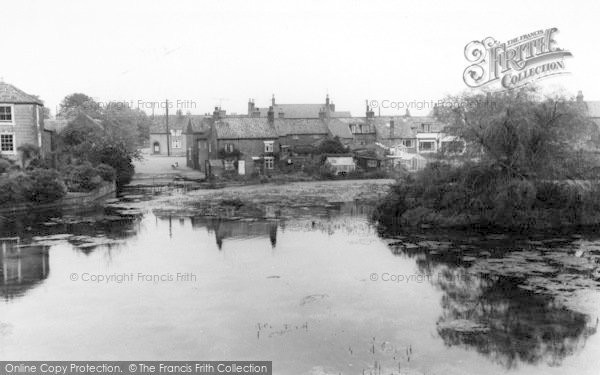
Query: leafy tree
x=134 y=124
x=77 y=103
x=520 y=132
x=331 y=146
x=96 y=142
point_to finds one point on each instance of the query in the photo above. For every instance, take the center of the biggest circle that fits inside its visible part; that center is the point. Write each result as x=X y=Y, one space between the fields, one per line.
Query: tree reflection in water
x=495 y=315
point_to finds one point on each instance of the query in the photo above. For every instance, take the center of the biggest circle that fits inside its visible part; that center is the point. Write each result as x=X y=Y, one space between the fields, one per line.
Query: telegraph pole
x=168 y=133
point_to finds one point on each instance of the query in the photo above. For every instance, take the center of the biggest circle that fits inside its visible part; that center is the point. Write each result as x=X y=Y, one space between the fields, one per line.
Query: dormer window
x=6 y=113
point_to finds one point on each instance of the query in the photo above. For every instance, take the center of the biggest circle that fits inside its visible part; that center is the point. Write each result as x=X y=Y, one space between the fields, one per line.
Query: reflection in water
x=498 y=315
x=311 y=296
x=237 y=229
x=517 y=325
x=21 y=268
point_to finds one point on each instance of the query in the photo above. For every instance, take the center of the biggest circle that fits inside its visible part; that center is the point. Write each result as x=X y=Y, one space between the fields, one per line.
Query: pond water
x=316 y=291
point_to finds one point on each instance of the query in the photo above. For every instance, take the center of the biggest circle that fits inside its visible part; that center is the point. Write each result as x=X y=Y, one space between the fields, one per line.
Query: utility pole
x=168 y=133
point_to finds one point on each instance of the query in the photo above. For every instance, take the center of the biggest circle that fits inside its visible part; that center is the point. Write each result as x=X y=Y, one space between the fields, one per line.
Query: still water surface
x=317 y=292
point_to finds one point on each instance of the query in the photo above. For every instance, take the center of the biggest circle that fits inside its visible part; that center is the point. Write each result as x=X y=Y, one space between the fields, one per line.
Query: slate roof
x=200 y=123
x=245 y=128
x=339 y=128
x=301 y=111
x=300 y=126
x=11 y=94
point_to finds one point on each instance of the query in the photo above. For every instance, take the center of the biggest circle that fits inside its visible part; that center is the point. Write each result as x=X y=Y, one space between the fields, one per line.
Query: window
x=295 y=137
x=407 y=143
x=177 y=143
x=7 y=143
x=6 y=113
x=427 y=146
x=269 y=146
x=229 y=147
x=316 y=136
x=269 y=162
x=372 y=163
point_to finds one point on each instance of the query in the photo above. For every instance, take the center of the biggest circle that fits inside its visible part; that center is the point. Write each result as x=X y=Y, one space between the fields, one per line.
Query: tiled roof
x=402 y=127
x=435 y=126
x=300 y=126
x=339 y=128
x=11 y=94
x=366 y=125
x=245 y=128
x=593 y=108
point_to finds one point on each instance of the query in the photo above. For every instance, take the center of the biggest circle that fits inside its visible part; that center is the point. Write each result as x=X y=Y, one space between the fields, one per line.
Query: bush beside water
x=484 y=196
x=35 y=186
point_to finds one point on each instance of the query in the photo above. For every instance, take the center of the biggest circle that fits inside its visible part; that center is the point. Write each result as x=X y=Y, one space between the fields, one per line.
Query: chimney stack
x=580 y=97
x=392 y=128
x=250 y=107
x=273 y=100
x=218 y=113
x=271 y=115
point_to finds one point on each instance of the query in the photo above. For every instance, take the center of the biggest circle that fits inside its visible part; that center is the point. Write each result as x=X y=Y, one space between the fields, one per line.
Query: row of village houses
x=258 y=140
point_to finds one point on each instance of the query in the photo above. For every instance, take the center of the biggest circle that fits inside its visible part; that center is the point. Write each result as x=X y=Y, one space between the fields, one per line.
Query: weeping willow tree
x=523 y=150
x=523 y=133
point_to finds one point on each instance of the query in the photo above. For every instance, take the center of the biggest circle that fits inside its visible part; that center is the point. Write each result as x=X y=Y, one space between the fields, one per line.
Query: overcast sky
x=225 y=52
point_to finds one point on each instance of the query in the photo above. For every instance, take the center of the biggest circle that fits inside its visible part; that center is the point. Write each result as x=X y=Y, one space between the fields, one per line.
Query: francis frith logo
x=516 y=62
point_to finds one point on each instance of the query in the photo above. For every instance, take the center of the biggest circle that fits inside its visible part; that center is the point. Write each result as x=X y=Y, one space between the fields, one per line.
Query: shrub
x=555 y=195
x=106 y=172
x=331 y=146
x=326 y=172
x=44 y=186
x=5 y=165
x=12 y=189
x=83 y=177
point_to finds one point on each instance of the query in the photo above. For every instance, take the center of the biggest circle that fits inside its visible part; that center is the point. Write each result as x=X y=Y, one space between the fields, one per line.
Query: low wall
x=71 y=200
